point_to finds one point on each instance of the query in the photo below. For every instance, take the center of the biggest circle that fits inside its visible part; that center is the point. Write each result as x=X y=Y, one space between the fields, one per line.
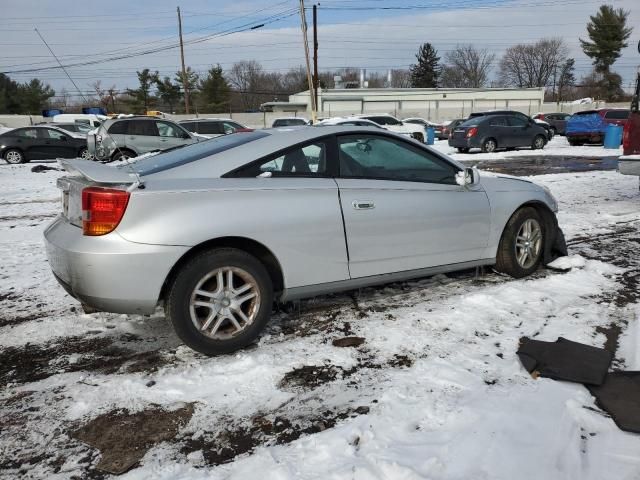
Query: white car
x=353 y=121
x=393 y=124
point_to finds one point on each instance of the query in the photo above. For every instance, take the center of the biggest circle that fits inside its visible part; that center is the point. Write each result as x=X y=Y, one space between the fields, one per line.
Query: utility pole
x=184 y=70
x=315 y=55
x=305 y=39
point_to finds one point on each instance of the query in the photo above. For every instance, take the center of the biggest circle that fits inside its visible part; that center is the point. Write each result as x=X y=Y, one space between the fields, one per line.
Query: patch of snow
x=568 y=262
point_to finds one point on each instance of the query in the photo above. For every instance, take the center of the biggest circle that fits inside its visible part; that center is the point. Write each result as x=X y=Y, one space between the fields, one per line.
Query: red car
x=589 y=126
x=631 y=136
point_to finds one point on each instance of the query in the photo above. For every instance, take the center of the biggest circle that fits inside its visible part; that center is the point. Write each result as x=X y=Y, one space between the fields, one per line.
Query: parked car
x=558 y=121
x=289 y=122
x=629 y=162
x=215 y=232
x=450 y=126
x=492 y=132
x=549 y=133
x=82 y=128
x=122 y=138
x=391 y=123
x=93 y=121
x=22 y=145
x=589 y=126
x=212 y=127
x=349 y=121
x=427 y=124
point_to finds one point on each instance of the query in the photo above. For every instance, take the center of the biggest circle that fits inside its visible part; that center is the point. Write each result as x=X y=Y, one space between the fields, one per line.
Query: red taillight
x=472 y=132
x=102 y=209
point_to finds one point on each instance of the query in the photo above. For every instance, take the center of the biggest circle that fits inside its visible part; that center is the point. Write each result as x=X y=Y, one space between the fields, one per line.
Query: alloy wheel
x=13 y=157
x=490 y=146
x=539 y=143
x=528 y=243
x=224 y=302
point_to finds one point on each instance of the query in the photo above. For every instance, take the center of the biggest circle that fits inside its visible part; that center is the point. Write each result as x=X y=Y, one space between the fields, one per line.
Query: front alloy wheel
x=528 y=243
x=522 y=244
x=538 y=142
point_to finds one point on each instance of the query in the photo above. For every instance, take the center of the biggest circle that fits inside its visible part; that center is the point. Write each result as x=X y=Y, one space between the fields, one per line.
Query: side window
x=307 y=160
x=518 y=121
x=383 y=158
x=210 y=128
x=27 y=133
x=53 y=134
x=142 y=127
x=617 y=114
x=118 y=128
x=189 y=126
x=168 y=130
x=230 y=127
x=498 y=122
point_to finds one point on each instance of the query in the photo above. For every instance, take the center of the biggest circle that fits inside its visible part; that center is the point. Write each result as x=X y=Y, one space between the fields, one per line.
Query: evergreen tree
x=142 y=96
x=426 y=73
x=168 y=92
x=9 y=101
x=33 y=96
x=608 y=33
x=214 y=91
x=190 y=85
x=567 y=79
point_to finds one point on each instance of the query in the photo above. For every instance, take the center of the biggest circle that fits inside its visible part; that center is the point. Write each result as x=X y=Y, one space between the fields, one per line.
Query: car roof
x=209 y=120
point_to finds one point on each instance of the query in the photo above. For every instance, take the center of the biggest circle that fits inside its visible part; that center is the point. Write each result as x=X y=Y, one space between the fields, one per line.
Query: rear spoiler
x=98 y=172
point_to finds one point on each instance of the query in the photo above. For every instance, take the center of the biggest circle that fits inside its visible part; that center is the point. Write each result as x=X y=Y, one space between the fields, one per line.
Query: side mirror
x=468 y=176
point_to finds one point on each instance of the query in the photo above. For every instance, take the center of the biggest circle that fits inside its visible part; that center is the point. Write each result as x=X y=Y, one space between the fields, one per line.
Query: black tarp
x=565 y=360
x=619 y=395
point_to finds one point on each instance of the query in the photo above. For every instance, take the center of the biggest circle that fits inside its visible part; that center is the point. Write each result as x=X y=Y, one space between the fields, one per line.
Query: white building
x=431 y=103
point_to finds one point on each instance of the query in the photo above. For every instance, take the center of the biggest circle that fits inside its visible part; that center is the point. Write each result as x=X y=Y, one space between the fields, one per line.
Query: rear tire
x=522 y=244
x=211 y=315
x=14 y=157
x=489 y=145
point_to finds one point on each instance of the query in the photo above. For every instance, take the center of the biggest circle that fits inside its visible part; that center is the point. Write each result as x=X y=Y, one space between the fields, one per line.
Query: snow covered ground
x=436 y=390
x=557 y=146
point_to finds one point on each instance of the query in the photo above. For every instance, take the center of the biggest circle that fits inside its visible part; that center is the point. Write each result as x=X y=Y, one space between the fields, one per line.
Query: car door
x=55 y=144
x=26 y=139
x=403 y=209
x=295 y=190
x=521 y=131
x=500 y=129
x=142 y=136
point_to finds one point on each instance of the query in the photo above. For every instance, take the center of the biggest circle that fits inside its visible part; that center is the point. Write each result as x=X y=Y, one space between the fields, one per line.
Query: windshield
x=180 y=156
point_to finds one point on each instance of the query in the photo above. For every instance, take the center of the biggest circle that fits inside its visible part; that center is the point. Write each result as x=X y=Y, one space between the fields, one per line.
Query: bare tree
x=532 y=65
x=105 y=96
x=245 y=79
x=467 y=67
x=400 y=78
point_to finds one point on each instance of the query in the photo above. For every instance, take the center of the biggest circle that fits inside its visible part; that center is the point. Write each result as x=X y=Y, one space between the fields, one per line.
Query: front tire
x=122 y=154
x=522 y=244
x=14 y=156
x=220 y=301
x=84 y=154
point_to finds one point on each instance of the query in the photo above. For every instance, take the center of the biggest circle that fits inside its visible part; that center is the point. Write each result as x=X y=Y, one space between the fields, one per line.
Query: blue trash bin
x=431 y=135
x=613 y=136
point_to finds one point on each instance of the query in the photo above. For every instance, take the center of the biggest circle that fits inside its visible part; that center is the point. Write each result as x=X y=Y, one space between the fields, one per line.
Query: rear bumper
x=108 y=273
x=629 y=167
x=464 y=142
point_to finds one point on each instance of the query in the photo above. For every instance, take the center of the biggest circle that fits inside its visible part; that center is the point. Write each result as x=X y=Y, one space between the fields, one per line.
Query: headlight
x=550 y=198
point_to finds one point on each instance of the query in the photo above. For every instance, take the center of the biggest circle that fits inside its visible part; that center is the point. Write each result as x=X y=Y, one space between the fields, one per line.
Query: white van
x=93 y=120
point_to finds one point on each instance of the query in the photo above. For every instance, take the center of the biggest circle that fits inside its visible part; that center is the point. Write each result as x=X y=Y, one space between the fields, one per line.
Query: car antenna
x=139 y=183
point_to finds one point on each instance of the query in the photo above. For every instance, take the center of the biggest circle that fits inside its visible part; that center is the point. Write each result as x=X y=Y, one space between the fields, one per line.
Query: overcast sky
x=359 y=33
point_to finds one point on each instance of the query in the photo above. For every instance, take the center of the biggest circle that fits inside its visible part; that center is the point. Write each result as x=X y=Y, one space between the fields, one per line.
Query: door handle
x=363 y=204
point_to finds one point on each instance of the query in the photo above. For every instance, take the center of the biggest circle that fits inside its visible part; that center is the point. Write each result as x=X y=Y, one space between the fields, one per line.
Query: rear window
x=472 y=122
x=617 y=114
x=191 y=153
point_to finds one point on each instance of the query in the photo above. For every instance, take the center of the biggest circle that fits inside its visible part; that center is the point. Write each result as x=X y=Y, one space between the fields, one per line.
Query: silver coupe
x=217 y=231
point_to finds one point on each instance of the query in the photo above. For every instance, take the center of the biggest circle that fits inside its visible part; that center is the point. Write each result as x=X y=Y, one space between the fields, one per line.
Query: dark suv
x=491 y=132
x=558 y=121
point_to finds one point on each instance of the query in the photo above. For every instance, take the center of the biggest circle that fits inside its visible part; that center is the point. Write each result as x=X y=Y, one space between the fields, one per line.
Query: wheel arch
x=252 y=247
x=550 y=225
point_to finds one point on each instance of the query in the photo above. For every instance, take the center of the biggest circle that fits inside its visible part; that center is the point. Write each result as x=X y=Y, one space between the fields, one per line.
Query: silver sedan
x=217 y=231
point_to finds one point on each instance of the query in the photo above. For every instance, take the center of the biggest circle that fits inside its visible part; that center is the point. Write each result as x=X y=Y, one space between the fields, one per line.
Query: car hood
x=498 y=182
